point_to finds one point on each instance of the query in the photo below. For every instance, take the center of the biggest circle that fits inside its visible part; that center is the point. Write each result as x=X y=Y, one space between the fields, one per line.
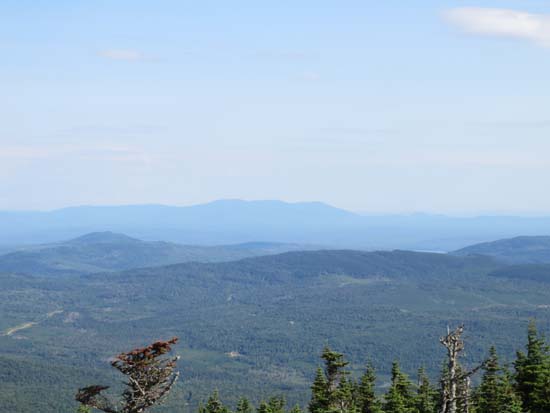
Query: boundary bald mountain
x=237 y=221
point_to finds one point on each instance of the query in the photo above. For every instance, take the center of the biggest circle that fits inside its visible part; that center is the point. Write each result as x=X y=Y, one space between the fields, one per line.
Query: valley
x=257 y=325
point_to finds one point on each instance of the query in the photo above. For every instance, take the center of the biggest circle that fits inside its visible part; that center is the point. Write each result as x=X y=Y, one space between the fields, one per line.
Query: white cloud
x=122 y=54
x=503 y=23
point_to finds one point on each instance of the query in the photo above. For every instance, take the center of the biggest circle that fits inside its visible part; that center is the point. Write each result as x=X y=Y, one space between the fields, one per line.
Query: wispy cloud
x=123 y=54
x=310 y=76
x=114 y=153
x=284 y=55
x=502 y=23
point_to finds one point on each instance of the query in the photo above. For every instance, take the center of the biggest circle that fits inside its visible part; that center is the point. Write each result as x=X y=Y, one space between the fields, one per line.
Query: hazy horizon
x=455 y=214
x=371 y=107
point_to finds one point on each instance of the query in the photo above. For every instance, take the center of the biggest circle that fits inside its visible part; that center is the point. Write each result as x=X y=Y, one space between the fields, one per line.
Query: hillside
x=532 y=272
x=108 y=251
x=272 y=314
x=518 y=250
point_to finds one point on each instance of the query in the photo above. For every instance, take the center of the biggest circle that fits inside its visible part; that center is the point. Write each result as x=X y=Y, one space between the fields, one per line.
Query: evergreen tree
x=344 y=397
x=366 y=397
x=263 y=407
x=395 y=403
x=276 y=404
x=495 y=394
x=319 y=393
x=214 y=405
x=83 y=409
x=331 y=390
x=334 y=367
x=510 y=399
x=426 y=396
x=296 y=409
x=243 y=406
x=399 y=397
x=533 y=373
x=488 y=397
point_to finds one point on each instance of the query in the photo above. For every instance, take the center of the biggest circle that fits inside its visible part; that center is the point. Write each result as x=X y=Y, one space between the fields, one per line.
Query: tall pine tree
x=243 y=406
x=495 y=394
x=319 y=393
x=332 y=391
x=263 y=407
x=296 y=409
x=366 y=397
x=399 y=397
x=510 y=399
x=487 y=398
x=533 y=373
x=214 y=405
x=276 y=404
x=426 y=396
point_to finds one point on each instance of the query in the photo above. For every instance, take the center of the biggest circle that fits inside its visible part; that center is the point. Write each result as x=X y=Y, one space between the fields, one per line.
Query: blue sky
x=434 y=106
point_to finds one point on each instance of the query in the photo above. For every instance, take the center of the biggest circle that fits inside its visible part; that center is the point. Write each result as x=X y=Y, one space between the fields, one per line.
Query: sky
x=383 y=107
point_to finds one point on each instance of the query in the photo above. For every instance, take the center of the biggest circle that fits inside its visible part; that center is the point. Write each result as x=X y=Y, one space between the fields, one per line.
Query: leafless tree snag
x=150 y=378
x=455 y=383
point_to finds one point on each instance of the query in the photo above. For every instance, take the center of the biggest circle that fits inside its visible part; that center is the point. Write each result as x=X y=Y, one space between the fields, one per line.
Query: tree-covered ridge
x=518 y=250
x=533 y=272
x=107 y=251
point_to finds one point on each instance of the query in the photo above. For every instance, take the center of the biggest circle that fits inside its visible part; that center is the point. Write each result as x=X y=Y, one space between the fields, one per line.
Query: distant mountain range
x=237 y=221
x=108 y=251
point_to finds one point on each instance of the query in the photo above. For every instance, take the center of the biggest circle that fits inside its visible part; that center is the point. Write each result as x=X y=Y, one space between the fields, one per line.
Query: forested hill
x=532 y=272
x=108 y=251
x=518 y=250
x=256 y=326
x=290 y=267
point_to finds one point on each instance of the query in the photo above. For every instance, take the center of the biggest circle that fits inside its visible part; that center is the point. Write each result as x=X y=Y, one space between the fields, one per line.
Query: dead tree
x=455 y=383
x=150 y=378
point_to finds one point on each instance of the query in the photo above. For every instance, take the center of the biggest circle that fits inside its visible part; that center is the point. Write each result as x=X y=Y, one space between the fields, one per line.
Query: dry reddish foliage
x=150 y=379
